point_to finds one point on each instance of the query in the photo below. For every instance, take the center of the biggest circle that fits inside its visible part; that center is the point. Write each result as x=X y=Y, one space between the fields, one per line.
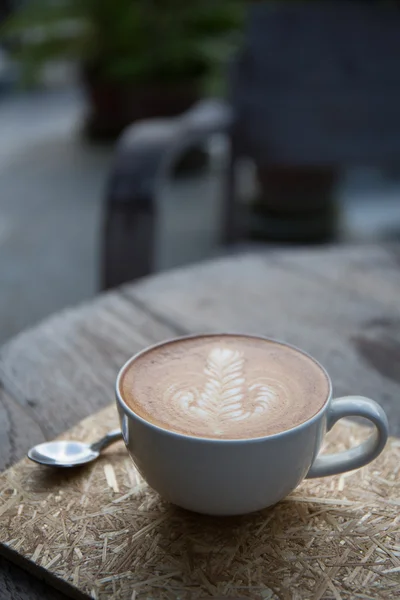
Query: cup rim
x=176 y=434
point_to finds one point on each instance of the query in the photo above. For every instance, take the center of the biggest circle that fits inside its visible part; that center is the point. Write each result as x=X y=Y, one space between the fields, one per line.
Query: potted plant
x=138 y=58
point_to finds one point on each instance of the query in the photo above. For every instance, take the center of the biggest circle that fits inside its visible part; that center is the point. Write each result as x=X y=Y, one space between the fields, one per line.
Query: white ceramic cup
x=232 y=477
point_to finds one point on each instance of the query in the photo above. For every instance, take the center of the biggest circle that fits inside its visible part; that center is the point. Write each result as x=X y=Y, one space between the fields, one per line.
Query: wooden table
x=340 y=304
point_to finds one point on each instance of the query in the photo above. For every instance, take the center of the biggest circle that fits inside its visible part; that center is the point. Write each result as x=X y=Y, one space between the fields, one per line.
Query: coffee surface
x=227 y=387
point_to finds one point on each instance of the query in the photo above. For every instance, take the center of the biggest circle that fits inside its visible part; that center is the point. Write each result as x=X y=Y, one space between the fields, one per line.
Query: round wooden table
x=341 y=304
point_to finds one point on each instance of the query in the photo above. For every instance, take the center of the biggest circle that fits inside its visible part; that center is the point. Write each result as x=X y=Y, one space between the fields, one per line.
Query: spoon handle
x=109 y=438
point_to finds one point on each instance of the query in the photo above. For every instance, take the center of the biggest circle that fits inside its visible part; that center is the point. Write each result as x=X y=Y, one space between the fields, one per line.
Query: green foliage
x=127 y=40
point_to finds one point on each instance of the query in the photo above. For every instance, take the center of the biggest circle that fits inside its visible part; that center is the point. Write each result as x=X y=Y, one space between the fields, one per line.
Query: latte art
x=226 y=396
x=226 y=387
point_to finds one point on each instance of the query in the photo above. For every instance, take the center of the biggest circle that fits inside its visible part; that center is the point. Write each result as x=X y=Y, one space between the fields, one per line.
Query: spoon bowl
x=70 y=453
x=62 y=454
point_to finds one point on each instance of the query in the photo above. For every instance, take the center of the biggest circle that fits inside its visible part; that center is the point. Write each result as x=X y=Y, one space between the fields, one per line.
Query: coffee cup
x=228 y=424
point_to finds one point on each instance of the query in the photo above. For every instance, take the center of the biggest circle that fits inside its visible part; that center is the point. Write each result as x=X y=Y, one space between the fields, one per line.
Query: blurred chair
x=313 y=84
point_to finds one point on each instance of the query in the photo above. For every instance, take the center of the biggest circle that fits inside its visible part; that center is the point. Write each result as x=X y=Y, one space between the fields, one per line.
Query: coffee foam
x=229 y=387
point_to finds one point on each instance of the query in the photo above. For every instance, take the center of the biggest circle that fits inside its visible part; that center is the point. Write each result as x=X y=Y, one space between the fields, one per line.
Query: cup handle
x=340 y=462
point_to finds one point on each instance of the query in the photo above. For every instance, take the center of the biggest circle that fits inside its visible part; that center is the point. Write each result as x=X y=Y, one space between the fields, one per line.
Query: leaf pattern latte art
x=225 y=396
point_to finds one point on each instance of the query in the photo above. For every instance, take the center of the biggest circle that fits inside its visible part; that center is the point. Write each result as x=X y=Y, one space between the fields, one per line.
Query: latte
x=224 y=386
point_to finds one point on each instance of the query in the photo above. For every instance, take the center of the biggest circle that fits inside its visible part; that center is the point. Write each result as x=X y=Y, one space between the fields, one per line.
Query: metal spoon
x=71 y=454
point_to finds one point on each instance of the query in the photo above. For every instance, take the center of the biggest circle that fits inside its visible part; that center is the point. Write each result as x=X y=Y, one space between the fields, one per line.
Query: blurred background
x=94 y=97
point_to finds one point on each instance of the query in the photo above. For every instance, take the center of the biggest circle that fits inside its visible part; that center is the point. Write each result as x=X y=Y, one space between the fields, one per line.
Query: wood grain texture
x=65 y=369
x=18 y=430
x=340 y=304
x=101 y=532
x=17 y=584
